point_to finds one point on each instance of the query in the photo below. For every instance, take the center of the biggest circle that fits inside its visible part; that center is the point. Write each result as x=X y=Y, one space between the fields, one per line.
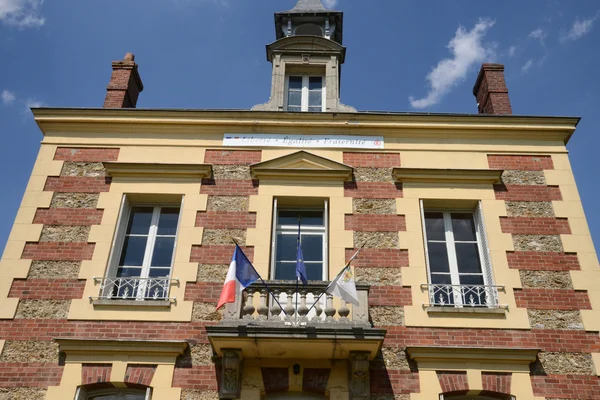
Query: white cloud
x=580 y=28
x=539 y=34
x=8 y=97
x=512 y=50
x=467 y=49
x=330 y=3
x=33 y=103
x=527 y=66
x=22 y=13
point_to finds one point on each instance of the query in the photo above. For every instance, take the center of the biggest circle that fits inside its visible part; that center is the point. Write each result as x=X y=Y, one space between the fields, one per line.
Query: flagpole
x=297 y=278
x=339 y=273
x=263 y=282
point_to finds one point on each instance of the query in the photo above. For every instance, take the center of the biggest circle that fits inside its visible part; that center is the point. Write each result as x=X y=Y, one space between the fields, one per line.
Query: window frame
x=83 y=394
x=304 y=102
x=482 y=251
x=121 y=233
x=293 y=230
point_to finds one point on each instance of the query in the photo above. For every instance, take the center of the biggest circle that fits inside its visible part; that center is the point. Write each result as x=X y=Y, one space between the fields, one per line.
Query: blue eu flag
x=300 y=267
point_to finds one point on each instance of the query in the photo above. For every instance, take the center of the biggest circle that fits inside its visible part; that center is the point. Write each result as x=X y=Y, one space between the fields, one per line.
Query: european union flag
x=300 y=267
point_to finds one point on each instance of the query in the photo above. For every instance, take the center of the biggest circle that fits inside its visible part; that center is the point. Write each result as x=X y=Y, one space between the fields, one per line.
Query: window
x=143 y=253
x=305 y=93
x=113 y=394
x=313 y=239
x=457 y=258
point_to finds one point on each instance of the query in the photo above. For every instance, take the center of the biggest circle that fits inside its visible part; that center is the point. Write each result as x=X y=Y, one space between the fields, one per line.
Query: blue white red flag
x=241 y=274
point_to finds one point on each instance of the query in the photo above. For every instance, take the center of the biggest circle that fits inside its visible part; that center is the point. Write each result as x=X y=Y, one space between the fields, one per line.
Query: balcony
x=296 y=326
x=463 y=297
x=134 y=291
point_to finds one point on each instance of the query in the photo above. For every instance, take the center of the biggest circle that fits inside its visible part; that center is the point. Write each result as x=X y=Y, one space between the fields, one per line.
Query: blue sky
x=402 y=56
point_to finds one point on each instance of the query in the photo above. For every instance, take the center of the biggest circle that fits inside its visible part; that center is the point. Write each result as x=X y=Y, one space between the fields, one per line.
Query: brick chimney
x=491 y=92
x=125 y=84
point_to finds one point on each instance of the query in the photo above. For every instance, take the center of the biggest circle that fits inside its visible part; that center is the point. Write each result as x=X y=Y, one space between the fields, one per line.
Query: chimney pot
x=491 y=92
x=125 y=84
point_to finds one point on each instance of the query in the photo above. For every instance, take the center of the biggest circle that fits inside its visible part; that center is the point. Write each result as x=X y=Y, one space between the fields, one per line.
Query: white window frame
x=482 y=248
x=119 y=239
x=304 y=97
x=293 y=230
x=83 y=394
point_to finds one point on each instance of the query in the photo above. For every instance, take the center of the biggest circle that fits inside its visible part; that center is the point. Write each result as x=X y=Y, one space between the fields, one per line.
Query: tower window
x=305 y=93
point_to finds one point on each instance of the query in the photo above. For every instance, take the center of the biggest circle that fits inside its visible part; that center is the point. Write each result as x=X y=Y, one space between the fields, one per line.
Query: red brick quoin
x=68 y=216
x=535 y=226
x=217 y=254
x=58 y=251
x=386 y=258
x=552 y=299
x=77 y=184
x=518 y=162
x=213 y=187
x=226 y=219
x=232 y=157
x=373 y=190
x=372 y=159
x=542 y=261
x=77 y=154
x=496 y=382
x=54 y=289
x=527 y=193
x=375 y=222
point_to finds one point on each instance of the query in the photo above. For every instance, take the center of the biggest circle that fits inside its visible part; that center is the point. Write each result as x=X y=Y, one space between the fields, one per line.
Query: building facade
x=478 y=277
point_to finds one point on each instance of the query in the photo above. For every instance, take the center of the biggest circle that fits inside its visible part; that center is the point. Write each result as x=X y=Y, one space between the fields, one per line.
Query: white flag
x=343 y=286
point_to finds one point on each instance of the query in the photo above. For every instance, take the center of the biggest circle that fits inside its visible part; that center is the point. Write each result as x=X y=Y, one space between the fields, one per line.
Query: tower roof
x=308 y=6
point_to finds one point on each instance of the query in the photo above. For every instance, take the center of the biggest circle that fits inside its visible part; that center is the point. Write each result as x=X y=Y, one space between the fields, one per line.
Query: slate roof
x=307 y=6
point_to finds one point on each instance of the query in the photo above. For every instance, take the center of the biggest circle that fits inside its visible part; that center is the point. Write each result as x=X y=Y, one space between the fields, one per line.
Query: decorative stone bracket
x=359 y=381
x=231 y=374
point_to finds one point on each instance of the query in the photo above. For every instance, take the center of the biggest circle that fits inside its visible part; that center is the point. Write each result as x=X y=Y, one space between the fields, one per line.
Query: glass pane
x=468 y=258
x=314 y=271
x=315 y=98
x=315 y=109
x=434 y=226
x=463 y=227
x=294 y=98
x=285 y=271
x=471 y=279
x=159 y=272
x=294 y=109
x=163 y=252
x=315 y=83
x=295 y=82
x=287 y=246
x=312 y=247
x=133 y=250
x=438 y=257
x=139 y=220
x=167 y=223
x=307 y=218
x=129 y=272
x=441 y=279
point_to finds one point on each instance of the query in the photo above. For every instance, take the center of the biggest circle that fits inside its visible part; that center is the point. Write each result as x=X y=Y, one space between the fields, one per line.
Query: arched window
x=309 y=29
x=464 y=397
x=88 y=393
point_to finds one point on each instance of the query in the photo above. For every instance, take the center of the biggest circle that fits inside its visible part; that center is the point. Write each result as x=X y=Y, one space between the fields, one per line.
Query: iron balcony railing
x=463 y=295
x=297 y=305
x=131 y=288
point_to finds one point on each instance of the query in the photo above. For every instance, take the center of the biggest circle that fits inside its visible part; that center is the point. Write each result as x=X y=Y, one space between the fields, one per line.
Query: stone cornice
x=461 y=354
x=141 y=170
x=55 y=121
x=431 y=175
x=131 y=347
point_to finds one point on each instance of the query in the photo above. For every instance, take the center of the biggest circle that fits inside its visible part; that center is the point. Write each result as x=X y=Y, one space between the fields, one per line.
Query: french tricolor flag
x=241 y=274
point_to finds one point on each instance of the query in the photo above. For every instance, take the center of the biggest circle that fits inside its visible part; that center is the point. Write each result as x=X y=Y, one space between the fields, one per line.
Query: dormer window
x=305 y=93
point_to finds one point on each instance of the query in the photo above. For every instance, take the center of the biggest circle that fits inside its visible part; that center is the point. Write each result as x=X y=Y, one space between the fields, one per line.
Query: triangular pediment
x=302 y=164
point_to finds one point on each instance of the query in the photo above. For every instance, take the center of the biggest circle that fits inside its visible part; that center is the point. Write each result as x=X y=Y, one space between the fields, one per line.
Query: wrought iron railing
x=463 y=295
x=134 y=288
x=295 y=307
